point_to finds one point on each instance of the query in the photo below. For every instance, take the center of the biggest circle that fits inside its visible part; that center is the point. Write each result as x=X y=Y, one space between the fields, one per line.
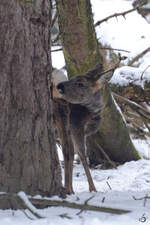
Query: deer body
x=82 y=118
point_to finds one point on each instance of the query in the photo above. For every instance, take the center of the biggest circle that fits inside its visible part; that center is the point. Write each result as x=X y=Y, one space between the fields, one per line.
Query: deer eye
x=80 y=85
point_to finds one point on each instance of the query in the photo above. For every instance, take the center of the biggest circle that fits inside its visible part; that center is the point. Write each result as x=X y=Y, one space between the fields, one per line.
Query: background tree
x=81 y=53
x=145 y=9
x=28 y=159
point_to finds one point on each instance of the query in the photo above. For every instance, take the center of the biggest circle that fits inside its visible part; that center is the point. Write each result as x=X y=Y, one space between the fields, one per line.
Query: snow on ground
x=116 y=187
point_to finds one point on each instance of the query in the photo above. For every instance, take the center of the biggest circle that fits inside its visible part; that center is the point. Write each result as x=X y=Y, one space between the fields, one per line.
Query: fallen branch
x=138 y=56
x=138 y=108
x=43 y=203
x=25 y=201
x=16 y=201
x=116 y=15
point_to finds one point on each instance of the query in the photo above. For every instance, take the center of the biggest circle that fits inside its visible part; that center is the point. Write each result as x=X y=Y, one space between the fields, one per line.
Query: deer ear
x=105 y=76
x=95 y=73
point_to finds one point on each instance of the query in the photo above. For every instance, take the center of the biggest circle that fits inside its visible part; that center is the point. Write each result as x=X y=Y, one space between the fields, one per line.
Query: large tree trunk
x=81 y=53
x=28 y=159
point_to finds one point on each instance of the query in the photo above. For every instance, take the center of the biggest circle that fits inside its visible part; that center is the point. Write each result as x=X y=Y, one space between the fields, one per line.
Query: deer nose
x=60 y=88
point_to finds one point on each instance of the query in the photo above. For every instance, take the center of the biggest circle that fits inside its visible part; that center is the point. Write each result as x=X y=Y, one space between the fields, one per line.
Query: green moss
x=81 y=53
x=113 y=134
x=84 y=54
x=28 y=2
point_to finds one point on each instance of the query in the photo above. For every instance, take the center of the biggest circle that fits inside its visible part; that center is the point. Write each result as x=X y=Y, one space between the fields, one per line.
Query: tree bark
x=144 y=10
x=75 y=22
x=28 y=159
x=81 y=54
x=113 y=134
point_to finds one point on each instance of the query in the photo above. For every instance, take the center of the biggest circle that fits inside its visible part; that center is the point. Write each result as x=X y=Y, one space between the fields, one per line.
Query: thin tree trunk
x=75 y=22
x=28 y=159
x=82 y=53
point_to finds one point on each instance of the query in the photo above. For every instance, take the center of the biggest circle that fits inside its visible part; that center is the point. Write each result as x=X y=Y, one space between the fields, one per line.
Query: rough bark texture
x=144 y=10
x=82 y=53
x=28 y=159
x=75 y=22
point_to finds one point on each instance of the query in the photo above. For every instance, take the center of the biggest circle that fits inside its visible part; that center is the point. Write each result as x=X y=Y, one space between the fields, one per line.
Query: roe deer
x=77 y=111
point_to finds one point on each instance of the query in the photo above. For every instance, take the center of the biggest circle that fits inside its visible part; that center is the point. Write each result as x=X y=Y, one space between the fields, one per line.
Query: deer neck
x=94 y=104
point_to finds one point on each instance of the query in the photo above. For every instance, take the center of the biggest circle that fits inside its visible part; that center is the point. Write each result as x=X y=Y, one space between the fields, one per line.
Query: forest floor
x=117 y=188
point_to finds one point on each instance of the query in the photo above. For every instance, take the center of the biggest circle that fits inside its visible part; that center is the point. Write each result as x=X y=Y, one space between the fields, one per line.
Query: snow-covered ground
x=116 y=187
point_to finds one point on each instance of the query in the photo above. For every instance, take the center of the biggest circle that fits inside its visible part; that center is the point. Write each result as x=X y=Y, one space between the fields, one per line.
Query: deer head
x=80 y=89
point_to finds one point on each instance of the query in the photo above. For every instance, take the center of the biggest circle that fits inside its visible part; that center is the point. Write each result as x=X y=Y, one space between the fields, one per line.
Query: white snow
x=58 y=76
x=126 y=75
x=58 y=60
x=131 y=34
x=116 y=187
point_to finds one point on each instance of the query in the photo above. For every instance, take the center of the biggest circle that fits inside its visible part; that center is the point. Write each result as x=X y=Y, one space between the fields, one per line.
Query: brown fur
x=77 y=115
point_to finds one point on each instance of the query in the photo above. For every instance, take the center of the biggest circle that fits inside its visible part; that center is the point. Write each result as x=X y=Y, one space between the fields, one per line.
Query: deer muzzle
x=60 y=88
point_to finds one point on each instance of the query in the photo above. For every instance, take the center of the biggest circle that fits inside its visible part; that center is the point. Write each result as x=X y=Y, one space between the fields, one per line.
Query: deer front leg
x=79 y=144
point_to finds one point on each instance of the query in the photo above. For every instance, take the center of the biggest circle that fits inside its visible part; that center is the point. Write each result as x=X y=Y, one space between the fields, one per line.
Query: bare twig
x=108 y=185
x=24 y=212
x=143 y=198
x=85 y=203
x=116 y=15
x=144 y=72
x=106 y=156
x=146 y=124
x=56 y=50
x=115 y=49
x=135 y=126
x=65 y=215
x=138 y=56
